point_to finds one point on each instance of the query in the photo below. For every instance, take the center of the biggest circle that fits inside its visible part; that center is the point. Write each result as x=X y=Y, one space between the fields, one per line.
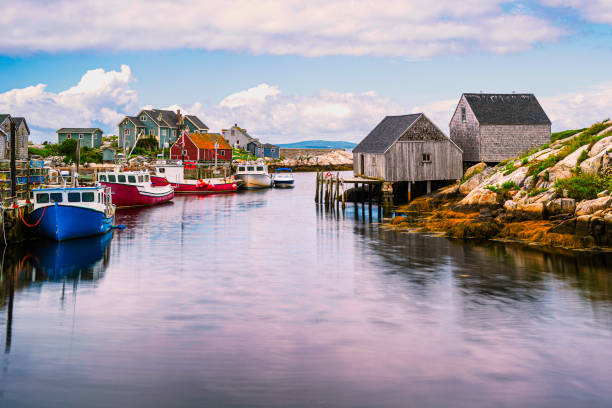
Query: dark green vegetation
x=68 y=149
x=584 y=186
x=566 y=133
x=507 y=186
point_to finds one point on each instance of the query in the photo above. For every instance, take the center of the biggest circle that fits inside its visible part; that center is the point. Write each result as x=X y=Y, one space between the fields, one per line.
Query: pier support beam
x=428 y=186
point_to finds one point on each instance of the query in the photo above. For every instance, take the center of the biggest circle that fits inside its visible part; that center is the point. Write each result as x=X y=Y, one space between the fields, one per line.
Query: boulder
x=563 y=169
x=477 y=168
x=596 y=162
x=561 y=206
x=602 y=145
x=565 y=227
x=590 y=206
x=479 y=197
x=544 y=197
x=604 y=193
x=528 y=183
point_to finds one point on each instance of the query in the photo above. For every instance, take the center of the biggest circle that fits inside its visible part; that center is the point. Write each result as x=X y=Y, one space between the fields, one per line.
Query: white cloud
x=579 y=109
x=397 y=28
x=100 y=96
x=598 y=11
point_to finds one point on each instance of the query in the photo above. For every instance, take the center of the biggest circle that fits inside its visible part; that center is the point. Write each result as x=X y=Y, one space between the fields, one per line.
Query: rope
x=37 y=222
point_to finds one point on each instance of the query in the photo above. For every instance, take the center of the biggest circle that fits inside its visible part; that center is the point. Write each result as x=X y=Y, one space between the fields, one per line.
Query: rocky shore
x=556 y=195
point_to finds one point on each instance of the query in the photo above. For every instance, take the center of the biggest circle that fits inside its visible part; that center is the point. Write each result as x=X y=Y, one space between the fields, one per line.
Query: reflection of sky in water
x=258 y=299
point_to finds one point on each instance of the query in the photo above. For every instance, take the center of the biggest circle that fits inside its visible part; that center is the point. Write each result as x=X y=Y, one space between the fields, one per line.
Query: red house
x=201 y=147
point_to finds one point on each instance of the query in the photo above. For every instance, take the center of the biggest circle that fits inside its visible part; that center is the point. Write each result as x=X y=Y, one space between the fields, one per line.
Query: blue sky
x=291 y=71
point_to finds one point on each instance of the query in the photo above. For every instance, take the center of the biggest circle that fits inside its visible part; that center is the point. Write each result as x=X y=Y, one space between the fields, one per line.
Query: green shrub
x=584 y=186
x=524 y=161
x=493 y=188
x=565 y=134
x=537 y=191
x=509 y=185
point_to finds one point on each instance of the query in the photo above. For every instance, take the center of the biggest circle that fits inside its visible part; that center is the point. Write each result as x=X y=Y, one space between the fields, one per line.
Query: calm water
x=257 y=299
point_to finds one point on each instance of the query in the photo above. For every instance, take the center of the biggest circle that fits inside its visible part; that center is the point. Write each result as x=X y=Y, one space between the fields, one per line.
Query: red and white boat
x=134 y=188
x=174 y=175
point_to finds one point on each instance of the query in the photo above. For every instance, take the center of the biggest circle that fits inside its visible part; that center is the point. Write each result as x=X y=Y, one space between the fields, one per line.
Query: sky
x=299 y=70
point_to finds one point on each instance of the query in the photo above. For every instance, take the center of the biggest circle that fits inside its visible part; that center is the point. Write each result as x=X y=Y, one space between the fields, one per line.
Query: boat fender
x=119 y=227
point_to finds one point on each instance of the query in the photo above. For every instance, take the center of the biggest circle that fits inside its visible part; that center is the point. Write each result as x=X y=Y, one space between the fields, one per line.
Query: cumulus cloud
x=397 y=28
x=598 y=11
x=100 y=96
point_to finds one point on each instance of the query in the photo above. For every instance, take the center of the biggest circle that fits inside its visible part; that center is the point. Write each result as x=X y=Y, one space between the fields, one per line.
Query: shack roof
x=78 y=130
x=386 y=133
x=207 y=141
x=507 y=109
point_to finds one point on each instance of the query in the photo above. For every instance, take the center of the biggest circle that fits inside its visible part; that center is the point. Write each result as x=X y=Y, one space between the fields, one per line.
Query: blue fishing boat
x=283 y=178
x=72 y=212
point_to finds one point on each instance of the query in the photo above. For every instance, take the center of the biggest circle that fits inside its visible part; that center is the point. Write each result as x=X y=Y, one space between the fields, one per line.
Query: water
x=258 y=299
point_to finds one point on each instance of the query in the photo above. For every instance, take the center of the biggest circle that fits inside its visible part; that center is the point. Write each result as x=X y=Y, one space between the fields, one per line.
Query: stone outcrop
x=592 y=206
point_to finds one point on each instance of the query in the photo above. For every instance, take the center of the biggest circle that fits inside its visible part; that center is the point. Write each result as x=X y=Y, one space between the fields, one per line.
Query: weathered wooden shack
x=408 y=148
x=496 y=127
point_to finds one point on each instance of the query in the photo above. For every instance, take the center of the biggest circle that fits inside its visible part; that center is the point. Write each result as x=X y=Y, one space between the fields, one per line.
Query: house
x=271 y=151
x=201 y=147
x=408 y=148
x=22 y=135
x=90 y=137
x=255 y=148
x=108 y=155
x=495 y=127
x=157 y=123
x=237 y=137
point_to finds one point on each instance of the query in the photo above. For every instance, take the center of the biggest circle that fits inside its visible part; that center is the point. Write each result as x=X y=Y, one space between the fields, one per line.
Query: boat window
x=240 y=168
x=146 y=177
x=102 y=177
x=56 y=197
x=161 y=170
x=259 y=168
x=140 y=179
x=131 y=179
x=121 y=178
x=111 y=178
x=74 y=197
x=250 y=168
x=42 y=198
x=88 y=197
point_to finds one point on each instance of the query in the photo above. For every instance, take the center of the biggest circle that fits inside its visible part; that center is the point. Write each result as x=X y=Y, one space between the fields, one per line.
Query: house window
x=426 y=157
x=272 y=150
x=463 y=116
x=143 y=118
x=126 y=132
x=163 y=132
x=80 y=136
x=152 y=132
x=68 y=136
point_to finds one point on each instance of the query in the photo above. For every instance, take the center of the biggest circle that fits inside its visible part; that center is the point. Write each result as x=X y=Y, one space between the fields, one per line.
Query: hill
x=319 y=144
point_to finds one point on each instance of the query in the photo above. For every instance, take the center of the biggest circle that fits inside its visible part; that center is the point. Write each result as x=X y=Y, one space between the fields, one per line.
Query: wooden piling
x=409 y=191
x=337 y=189
x=370 y=200
x=317 y=188
x=343 y=198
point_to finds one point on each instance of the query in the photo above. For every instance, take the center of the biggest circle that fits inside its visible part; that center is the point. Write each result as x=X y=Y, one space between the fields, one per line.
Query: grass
x=584 y=186
x=507 y=186
x=466 y=177
x=537 y=191
x=565 y=134
x=239 y=154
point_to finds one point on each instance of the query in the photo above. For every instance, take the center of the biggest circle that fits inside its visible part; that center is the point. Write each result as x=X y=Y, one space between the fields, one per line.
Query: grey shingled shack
x=496 y=127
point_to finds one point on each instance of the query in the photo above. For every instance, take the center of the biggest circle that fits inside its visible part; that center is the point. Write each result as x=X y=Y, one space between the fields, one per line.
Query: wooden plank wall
x=404 y=161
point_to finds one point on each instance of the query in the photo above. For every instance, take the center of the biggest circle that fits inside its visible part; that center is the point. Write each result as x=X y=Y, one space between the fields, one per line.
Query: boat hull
x=126 y=195
x=283 y=183
x=62 y=222
x=196 y=188
x=255 y=180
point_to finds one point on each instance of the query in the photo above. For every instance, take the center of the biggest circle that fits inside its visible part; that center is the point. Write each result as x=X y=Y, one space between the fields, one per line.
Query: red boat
x=174 y=175
x=134 y=188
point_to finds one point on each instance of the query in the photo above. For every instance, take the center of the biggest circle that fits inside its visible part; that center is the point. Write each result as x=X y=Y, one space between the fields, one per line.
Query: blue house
x=90 y=137
x=271 y=151
x=157 y=123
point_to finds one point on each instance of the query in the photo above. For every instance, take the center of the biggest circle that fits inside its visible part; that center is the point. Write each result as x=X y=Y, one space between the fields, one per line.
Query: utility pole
x=13 y=164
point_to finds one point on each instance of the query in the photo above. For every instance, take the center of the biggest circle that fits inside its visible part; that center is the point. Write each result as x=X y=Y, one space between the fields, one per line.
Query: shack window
x=111 y=178
x=273 y=150
x=222 y=152
x=463 y=116
x=427 y=157
x=259 y=168
x=74 y=197
x=121 y=178
x=102 y=177
x=56 y=197
x=42 y=198
x=250 y=168
x=88 y=197
x=373 y=160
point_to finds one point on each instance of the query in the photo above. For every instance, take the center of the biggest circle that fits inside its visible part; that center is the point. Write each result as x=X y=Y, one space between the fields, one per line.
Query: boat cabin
x=125 y=177
x=92 y=197
x=257 y=168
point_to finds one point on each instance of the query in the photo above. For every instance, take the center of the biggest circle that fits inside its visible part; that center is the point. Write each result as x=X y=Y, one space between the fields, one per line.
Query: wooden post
x=337 y=189
x=326 y=187
x=379 y=200
x=13 y=166
x=317 y=188
x=343 y=198
x=28 y=182
x=428 y=186
x=370 y=200
x=409 y=191
x=355 y=199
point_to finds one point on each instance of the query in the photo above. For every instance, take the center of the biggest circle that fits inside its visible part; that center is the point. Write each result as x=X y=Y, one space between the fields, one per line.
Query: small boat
x=134 y=188
x=174 y=175
x=254 y=175
x=283 y=178
x=72 y=212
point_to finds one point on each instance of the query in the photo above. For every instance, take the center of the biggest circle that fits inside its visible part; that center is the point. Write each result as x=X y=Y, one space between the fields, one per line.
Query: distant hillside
x=319 y=144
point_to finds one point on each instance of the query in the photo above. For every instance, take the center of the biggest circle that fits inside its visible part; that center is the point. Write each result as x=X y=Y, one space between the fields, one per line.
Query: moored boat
x=174 y=175
x=254 y=175
x=72 y=212
x=134 y=188
x=283 y=178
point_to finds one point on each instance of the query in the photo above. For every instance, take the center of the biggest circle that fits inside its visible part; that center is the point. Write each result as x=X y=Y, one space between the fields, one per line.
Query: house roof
x=269 y=145
x=207 y=140
x=3 y=116
x=78 y=130
x=387 y=132
x=135 y=121
x=196 y=121
x=19 y=121
x=507 y=109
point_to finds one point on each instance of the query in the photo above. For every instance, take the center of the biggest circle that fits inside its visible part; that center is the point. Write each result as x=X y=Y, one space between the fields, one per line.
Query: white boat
x=283 y=178
x=254 y=175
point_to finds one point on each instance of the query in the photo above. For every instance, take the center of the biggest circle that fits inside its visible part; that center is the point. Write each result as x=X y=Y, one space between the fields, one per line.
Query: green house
x=91 y=137
x=108 y=155
x=157 y=123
